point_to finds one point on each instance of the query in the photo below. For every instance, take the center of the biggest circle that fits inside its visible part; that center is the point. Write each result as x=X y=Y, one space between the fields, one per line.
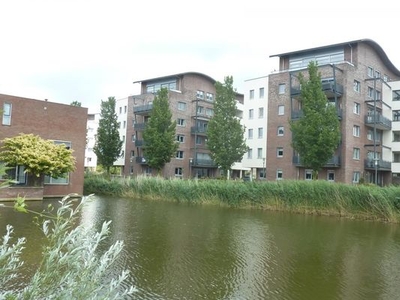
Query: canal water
x=182 y=251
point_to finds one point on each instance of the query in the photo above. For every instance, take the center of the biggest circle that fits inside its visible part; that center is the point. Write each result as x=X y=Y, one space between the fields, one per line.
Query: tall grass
x=316 y=197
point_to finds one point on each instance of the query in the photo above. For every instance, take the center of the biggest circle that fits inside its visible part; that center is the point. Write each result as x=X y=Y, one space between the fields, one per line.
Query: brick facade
x=53 y=121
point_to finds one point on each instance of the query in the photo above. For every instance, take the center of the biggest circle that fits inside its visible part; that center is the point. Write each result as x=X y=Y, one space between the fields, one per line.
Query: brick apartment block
x=53 y=121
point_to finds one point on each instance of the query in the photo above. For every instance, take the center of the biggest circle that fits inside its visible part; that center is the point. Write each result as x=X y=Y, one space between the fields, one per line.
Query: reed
x=312 y=197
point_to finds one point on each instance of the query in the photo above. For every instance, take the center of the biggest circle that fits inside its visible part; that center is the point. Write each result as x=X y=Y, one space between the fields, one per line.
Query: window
x=396 y=115
x=251 y=114
x=250 y=133
x=396 y=157
x=281 y=131
x=180 y=138
x=370 y=92
x=356 y=131
x=259 y=153
x=377 y=74
x=356 y=177
x=181 y=106
x=281 y=110
x=356 y=108
x=396 y=95
x=210 y=97
x=308 y=174
x=120 y=110
x=209 y=112
x=178 y=172
x=396 y=136
x=370 y=72
x=125 y=108
x=331 y=175
x=250 y=153
x=200 y=95
x=356 y=153
x=357 y=86
x=260 y=132
x=179 y=154
x=279 y=152
x=199 y=140
x=279 y=174
x=200 y=110
x=370 y=134
x=261 y=93
x=180 y=122
x=261 y=112
x=378 y=95
x=62 y=179
x=124 y=124
x=251 y=95
x=6 y=114
x=281 y=88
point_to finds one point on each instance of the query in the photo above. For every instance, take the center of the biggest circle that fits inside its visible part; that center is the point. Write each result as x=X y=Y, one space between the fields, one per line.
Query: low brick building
x=52 y=121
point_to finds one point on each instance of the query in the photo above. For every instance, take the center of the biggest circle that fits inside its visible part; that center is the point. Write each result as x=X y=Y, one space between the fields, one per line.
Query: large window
x=7 y=114
x=63 y=179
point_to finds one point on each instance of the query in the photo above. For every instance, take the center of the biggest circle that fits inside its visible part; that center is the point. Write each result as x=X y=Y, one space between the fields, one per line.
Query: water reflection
x=178 y=251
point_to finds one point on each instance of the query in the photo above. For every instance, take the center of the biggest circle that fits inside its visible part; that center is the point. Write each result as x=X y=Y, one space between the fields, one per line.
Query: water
x=180 y=251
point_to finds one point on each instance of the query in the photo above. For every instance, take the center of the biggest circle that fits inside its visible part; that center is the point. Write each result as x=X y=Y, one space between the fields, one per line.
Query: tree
x=316 y=134
x=224 y=132
x=159 y=136
x=108 y=145
x=72 y=265
x=39 y=157
x=76 y=103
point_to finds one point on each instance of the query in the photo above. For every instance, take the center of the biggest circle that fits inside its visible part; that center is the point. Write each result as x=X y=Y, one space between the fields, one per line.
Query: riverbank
x=308 y=197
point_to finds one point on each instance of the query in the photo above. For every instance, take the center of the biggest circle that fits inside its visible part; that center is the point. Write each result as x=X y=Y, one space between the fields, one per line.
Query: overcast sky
x=88 y=50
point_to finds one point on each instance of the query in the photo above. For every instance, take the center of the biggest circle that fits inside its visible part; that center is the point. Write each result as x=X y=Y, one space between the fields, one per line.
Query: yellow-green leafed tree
x=38 y=156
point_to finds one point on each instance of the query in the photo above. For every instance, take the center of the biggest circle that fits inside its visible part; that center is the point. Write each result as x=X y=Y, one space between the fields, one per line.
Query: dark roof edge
x=370 y=42
x=177 y=75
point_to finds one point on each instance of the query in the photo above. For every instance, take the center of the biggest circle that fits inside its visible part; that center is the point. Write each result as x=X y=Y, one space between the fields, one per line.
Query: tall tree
x=316 y=134
x=224 y=132
x=108 y=145
x=159 y=136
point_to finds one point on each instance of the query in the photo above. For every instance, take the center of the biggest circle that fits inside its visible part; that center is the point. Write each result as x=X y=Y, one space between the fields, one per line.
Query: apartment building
x=91 y=129
x=61 y=123
x=255 y=109
x=357 y=79
x=191 y=97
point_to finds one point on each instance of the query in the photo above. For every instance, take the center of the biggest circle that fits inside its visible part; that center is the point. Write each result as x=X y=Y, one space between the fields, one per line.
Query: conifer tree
x=108 y=144
x=225 y=133
x=316 y=134
x=159 y=136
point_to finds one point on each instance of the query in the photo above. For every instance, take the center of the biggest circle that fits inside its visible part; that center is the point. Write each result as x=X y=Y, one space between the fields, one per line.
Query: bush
x=71 y=266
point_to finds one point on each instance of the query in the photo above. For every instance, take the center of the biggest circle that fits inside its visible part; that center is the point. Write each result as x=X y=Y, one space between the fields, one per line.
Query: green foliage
x=224 y=132
x=71 y=267
x=159 y=136
x=108 y=144
x=38 y=156
x=316 y=135
x=315 y=197
x=76 y=103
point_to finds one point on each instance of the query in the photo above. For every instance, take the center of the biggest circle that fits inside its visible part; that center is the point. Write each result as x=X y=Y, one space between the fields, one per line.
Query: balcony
x=139 y=126
x=203 y=163
x=198 y=130
x=381 y=122
x=381 y=165
x=139 y=143
x=297 y=114
x=334 y=162
x=330 y=89
x=143 y=109
x=141 y=160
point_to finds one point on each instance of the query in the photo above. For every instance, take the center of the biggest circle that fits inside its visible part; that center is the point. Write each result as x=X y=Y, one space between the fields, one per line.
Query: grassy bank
x=316 y=197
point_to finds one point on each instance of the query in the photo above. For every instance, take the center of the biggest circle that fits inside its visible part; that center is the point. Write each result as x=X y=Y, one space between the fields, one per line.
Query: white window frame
x=179 y=154
x=181 y=122
x=356 y=176
x=327 y=175
x=308 y=174
x=281 y=88
x=279 y=152
x=279 y=174
x=181 y=106
x=357 y=86
x=357 y=108
x=356 y=131
x=178 y=172
x=280 y=131
x=7 y=110
x=356 y=153
x=260 y=132
x=261 y=112
x=281 y=110
x=250 y=133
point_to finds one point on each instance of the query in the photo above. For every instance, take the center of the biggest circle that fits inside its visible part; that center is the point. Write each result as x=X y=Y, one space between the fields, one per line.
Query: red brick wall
x=53 y=121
